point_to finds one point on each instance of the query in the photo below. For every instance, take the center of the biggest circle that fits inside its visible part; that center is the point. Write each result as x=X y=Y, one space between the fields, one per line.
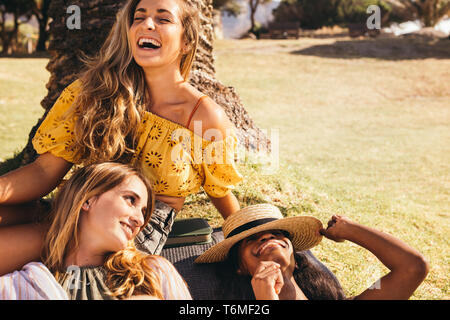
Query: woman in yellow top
x=131 y=104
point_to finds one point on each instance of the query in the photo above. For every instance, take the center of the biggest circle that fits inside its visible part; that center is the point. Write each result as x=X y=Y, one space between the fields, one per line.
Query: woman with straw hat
x=262 y=247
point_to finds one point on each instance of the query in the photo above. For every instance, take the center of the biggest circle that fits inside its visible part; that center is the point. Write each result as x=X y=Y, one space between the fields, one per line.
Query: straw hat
x=303 y=230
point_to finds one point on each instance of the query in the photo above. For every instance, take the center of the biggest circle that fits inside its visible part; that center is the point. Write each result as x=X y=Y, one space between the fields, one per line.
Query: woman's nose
x=149 y=23
x=138 y=219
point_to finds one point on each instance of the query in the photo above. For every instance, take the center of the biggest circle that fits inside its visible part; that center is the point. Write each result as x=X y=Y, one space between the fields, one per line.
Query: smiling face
x=109 y=221
x=271 y=245
x=156 y=34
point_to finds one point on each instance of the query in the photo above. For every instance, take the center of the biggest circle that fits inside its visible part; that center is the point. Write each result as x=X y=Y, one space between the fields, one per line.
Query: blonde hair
x=127 y=270
x=113 y=90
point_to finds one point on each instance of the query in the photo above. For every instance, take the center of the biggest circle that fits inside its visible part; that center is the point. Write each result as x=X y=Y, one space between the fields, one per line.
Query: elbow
x=424 y=267
x=418 y=267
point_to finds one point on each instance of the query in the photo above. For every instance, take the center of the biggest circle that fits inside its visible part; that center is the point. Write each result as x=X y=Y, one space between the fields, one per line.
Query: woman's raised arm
x=407 y=266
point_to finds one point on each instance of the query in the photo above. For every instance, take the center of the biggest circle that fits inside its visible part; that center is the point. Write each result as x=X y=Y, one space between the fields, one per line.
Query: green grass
x=22 y=87
x=366 y=136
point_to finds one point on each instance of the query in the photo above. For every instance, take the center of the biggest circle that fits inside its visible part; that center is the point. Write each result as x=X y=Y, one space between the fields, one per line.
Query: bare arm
x=214 y=118
x=20 y=245
x=226 y=205
x=407 y=266
x=34 y=180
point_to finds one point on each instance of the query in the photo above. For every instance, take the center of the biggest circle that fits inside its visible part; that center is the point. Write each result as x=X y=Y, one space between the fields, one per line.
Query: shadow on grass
x=382 y=48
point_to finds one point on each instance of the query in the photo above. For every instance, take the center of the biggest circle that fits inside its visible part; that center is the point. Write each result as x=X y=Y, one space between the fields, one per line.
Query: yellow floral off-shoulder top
x=176 y=160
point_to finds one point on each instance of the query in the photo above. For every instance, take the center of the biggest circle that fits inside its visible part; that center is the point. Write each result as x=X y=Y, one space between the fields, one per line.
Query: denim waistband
x=163 y=206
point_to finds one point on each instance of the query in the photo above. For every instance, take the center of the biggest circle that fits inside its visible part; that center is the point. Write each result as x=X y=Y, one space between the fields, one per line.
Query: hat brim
x=303 y=231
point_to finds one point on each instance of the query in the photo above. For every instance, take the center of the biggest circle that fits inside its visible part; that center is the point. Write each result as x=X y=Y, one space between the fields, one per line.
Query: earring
x=86 y=205
x=186 y=48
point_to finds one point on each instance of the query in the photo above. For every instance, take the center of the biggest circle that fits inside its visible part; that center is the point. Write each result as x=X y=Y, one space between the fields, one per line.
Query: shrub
x=314 y=14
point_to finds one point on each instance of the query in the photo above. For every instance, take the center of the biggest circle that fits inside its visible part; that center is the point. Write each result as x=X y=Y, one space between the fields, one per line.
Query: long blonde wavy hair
x=127 y=270
x=113 y=90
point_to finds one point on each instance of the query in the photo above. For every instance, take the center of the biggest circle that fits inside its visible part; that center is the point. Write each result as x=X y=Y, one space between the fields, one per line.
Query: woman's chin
x=147 y=61
x=119 y=244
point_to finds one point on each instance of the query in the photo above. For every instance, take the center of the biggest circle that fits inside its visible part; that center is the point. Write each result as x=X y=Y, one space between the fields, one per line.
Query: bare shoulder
x=212 y=118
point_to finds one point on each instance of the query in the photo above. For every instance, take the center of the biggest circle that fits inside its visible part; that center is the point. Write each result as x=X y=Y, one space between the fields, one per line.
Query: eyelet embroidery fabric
x=176 y=160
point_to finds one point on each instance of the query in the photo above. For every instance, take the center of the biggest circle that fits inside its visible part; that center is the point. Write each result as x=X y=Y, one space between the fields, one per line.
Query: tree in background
x=2 y=24
x=234 y=8
x=22 y=11
x=253 y=5
x=430 y=12
x=314 y=14
x=311 y=14
x=231 y=7
x=40 y=11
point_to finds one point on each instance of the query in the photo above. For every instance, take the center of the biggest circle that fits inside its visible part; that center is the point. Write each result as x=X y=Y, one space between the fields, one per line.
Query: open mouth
x=149 y=44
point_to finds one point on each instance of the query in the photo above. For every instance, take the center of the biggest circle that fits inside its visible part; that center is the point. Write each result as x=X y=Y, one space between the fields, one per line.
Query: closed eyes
x=161 y=20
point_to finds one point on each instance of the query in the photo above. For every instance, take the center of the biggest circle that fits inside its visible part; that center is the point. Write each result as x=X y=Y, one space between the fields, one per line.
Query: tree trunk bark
x=42 y=17
x=43 y=36
x=97 y=18
x=253 y=7
x=3 y=33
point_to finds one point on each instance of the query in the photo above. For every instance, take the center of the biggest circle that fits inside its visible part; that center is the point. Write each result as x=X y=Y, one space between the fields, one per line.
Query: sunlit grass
x=22 y=88
x=365 y=137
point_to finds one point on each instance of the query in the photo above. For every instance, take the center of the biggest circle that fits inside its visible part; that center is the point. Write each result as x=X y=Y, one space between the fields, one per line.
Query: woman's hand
x=267 y=281
x=408 y=268
x=338 y=228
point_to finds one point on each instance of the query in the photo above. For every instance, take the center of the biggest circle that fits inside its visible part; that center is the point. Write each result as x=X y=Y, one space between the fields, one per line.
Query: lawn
x=363 y=129
x=22 y=87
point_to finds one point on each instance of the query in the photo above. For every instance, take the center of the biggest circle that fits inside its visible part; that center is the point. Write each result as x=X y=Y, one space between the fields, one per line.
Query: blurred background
x=24 y=24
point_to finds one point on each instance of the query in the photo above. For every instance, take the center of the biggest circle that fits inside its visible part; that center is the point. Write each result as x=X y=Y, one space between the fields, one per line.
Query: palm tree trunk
x=97 y=18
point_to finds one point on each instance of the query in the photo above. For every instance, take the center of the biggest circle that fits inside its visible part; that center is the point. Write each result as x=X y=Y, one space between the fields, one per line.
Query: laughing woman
x=263 y=250
x=131 y=104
